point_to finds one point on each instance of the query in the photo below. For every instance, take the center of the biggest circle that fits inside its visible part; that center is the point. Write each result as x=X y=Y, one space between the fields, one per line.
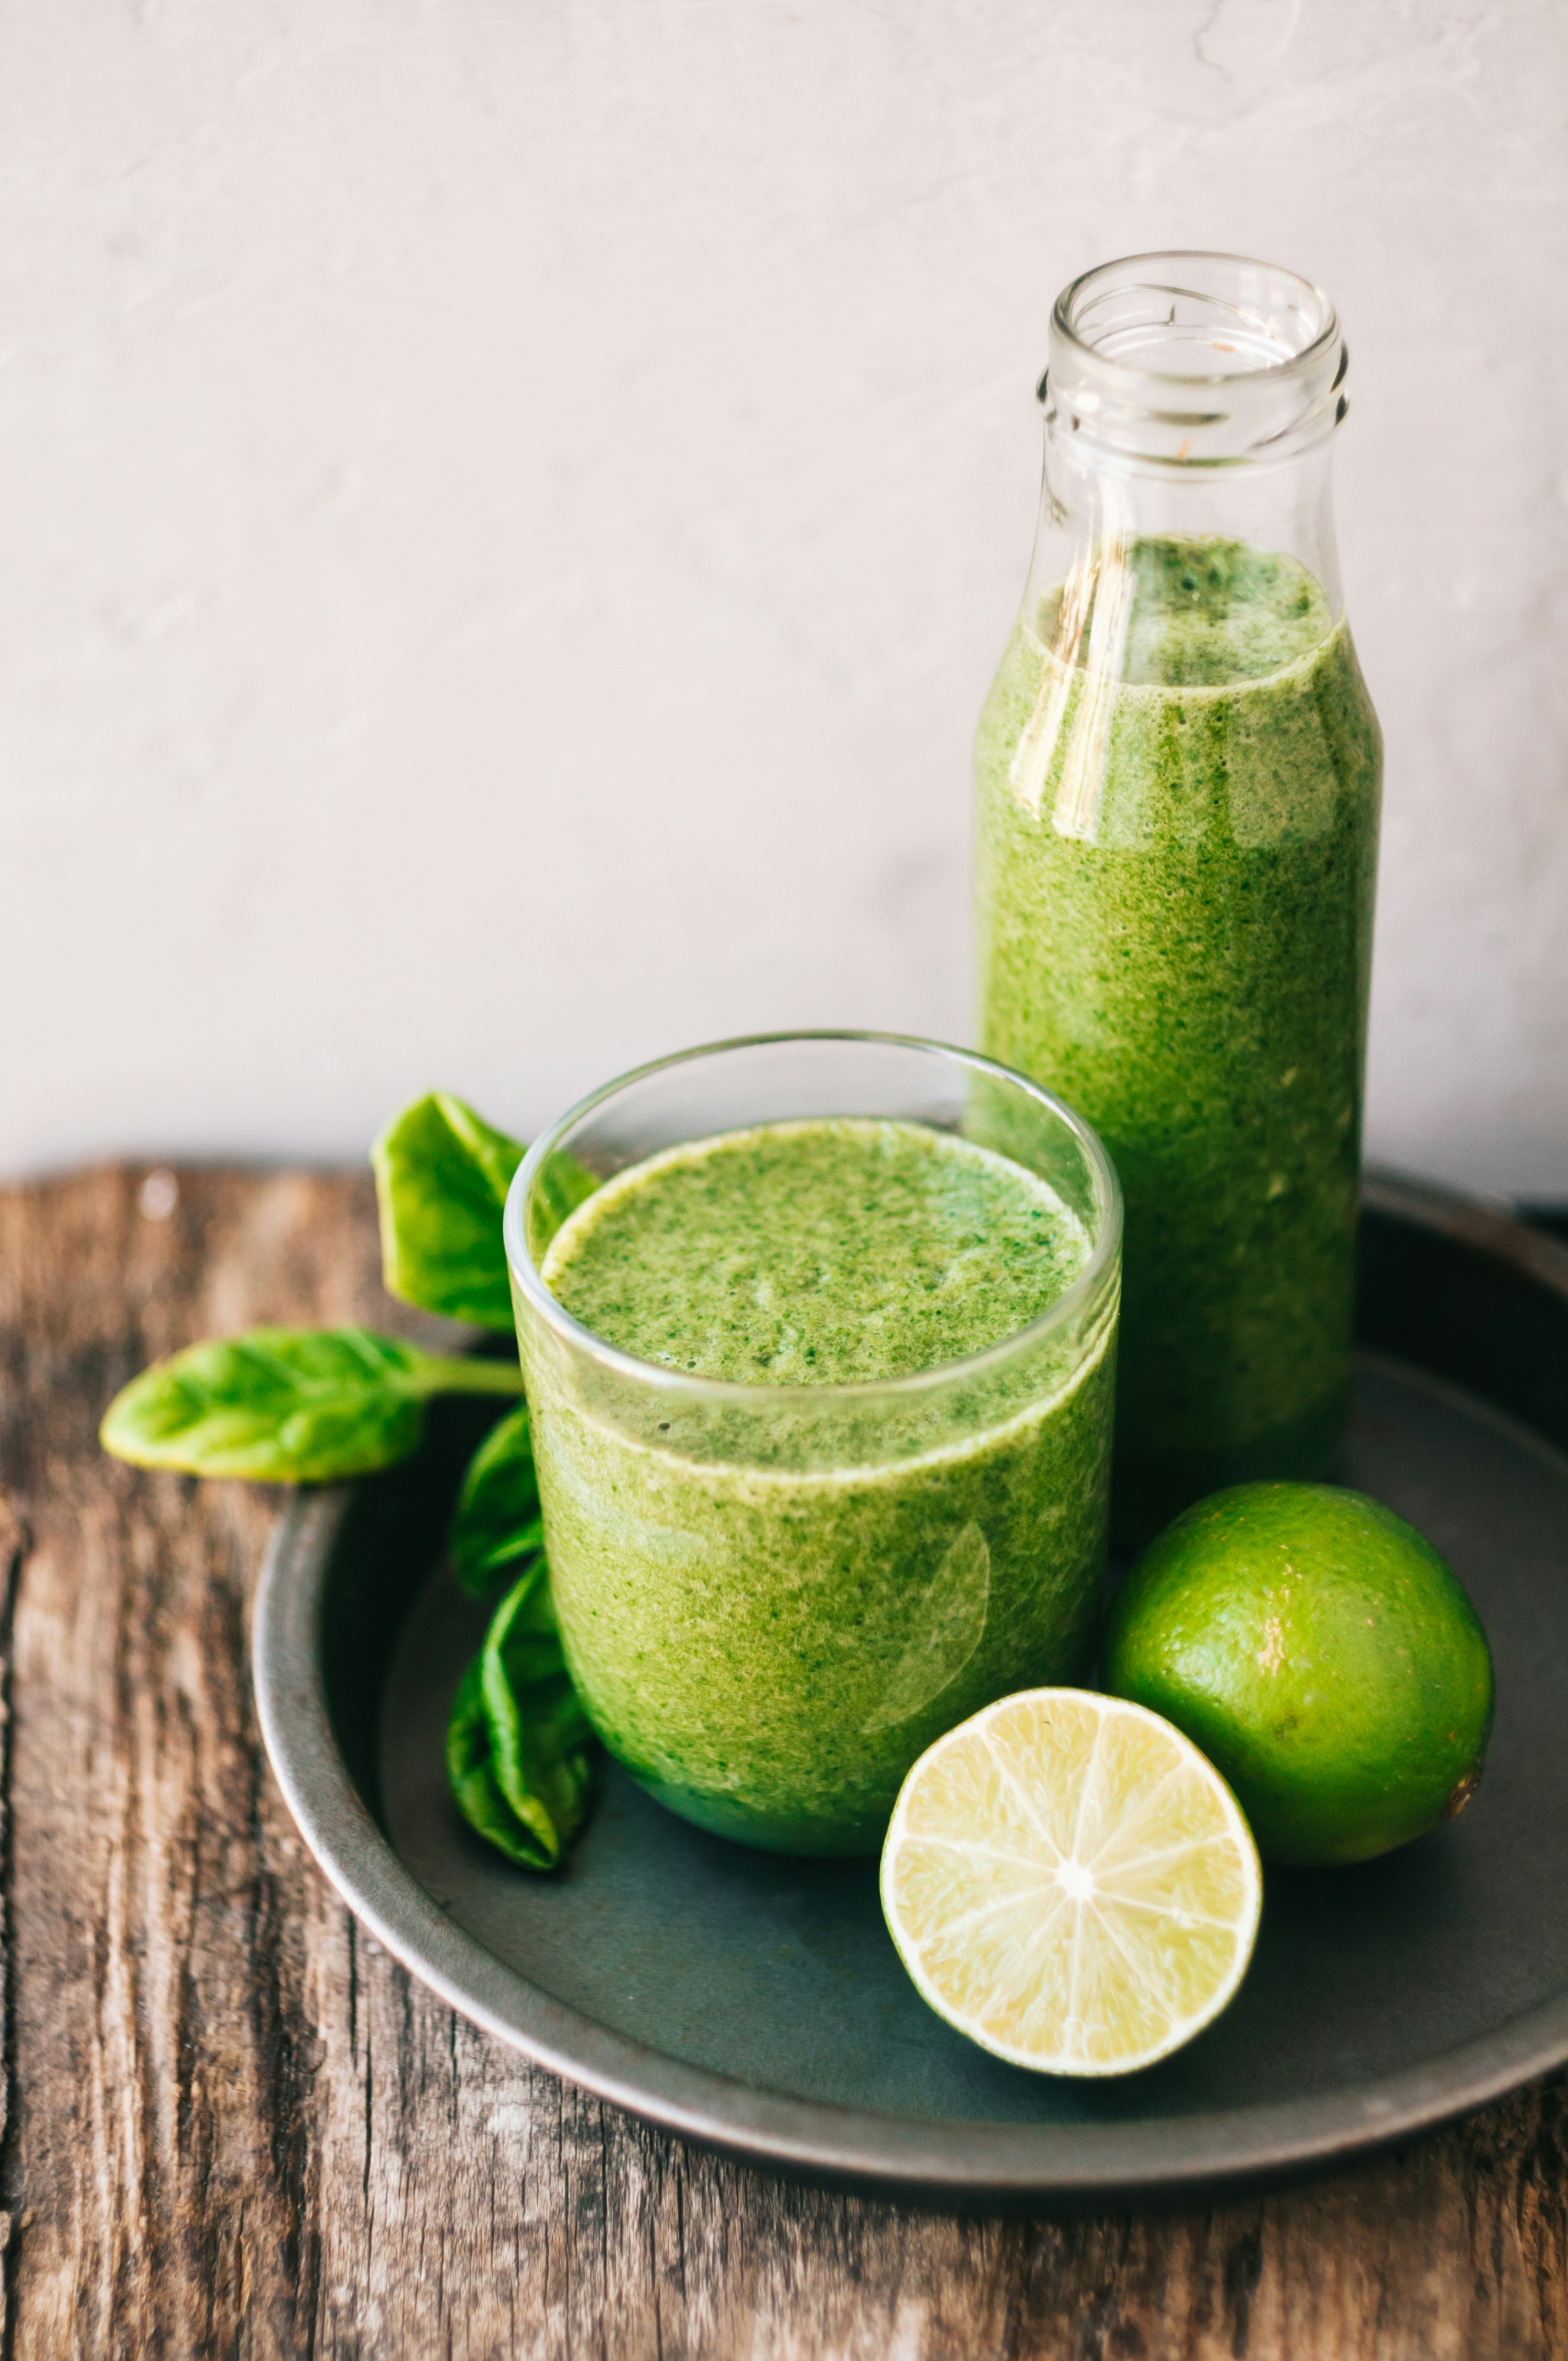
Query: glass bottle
x=1177 y=774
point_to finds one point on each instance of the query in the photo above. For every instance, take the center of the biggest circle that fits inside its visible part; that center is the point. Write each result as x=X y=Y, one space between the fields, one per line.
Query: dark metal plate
x=755 y=2003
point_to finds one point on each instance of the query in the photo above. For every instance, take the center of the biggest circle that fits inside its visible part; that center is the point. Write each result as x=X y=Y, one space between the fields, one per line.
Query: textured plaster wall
x=508 y=509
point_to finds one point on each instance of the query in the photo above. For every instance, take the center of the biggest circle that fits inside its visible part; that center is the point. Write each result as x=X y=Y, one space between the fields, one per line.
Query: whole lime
x=1321 y=1654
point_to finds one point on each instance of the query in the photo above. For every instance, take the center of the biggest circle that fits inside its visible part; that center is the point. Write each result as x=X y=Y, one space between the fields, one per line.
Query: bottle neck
x=1189 y=406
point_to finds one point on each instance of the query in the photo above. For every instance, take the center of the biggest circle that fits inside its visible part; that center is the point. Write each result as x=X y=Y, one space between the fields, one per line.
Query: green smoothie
x=1176 y=858
x=775 y=1591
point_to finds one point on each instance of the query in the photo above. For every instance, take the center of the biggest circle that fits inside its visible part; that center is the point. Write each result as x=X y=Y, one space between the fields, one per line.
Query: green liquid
x=1175 y=877
x=771 y=1607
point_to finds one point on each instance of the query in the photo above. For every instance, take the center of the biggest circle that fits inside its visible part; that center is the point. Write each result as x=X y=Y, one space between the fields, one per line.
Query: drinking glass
x=773 y=1598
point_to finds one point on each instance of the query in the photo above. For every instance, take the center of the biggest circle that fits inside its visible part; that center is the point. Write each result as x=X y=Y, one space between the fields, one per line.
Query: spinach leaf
x=475 y=1787
x=563 y=1185
x=442 y=1176
x=518 y=1747
x=288 y=1405
x=496 y=1520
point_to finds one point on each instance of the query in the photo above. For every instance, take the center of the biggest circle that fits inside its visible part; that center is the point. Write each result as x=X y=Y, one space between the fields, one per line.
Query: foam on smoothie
x=819 y=1252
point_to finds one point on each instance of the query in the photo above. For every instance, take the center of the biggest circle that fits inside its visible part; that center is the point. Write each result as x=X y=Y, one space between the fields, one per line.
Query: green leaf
x=442 y=1177
x=288 y=1405
x=497 y=1520
x=519 y=1746
x=563 y=1185
x=475 y=1787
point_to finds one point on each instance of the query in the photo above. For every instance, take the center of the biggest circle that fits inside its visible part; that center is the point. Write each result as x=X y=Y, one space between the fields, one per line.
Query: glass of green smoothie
x=818 y=1334
x=1178 y=772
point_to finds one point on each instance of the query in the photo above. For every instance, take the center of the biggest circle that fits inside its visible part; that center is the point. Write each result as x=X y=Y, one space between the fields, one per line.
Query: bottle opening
x=1200 y=359
x=1196 y=315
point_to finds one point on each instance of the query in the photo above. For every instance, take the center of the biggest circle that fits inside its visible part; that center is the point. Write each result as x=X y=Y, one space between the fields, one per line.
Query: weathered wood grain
x=231 y=2126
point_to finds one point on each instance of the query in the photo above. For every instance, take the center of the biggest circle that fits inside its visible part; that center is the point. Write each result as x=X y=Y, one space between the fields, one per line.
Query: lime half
x=1070 y=1884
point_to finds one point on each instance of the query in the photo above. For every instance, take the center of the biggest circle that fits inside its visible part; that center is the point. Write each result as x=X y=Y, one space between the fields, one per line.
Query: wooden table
x=232 y=2125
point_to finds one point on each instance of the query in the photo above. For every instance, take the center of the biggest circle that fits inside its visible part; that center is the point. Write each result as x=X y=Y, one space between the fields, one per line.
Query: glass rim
x=1314 y=352
x=687 y=1384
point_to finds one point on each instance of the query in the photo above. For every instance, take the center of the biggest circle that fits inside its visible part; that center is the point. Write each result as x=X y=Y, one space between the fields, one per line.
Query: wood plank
x=232 y=2125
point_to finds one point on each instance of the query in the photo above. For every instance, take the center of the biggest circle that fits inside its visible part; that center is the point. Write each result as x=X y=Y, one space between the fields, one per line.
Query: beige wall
x=508 y=509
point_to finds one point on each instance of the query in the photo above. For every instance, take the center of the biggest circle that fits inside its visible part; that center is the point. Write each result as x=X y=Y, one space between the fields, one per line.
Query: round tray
x=754 y=2003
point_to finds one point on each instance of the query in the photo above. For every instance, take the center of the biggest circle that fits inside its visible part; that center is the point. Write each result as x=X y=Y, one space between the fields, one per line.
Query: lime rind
x=1323 y=1655
x=1018 y=1869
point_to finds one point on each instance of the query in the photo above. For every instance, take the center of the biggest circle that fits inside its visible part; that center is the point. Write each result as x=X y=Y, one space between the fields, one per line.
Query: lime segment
x=1070 y=1884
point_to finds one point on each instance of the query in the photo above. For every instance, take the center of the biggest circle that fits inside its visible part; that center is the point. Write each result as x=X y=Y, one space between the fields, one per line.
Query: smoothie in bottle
x=1178 y=772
